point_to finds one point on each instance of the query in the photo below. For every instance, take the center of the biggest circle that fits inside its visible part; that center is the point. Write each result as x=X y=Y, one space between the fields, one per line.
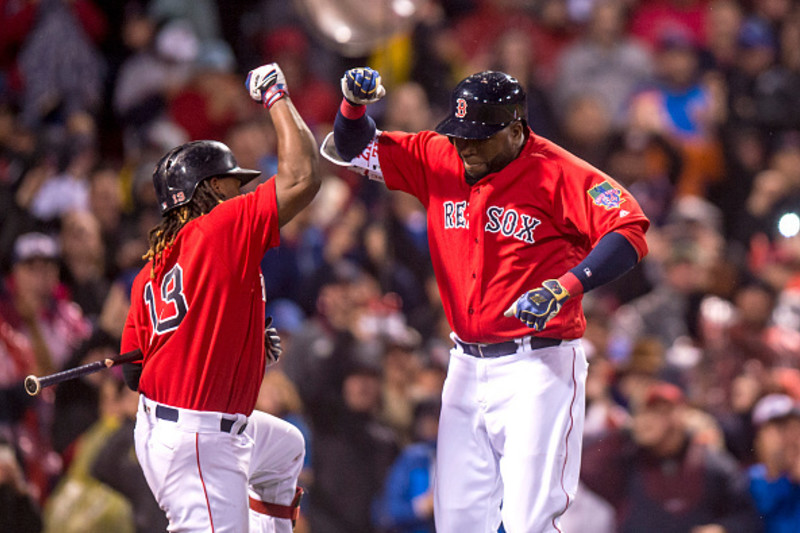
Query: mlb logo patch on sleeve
x=605 y=195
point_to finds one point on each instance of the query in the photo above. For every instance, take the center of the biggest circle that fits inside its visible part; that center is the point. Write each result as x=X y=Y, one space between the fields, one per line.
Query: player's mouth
x=472 y=165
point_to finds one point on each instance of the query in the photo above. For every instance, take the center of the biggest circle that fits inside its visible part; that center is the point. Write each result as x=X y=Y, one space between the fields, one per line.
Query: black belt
x=500 y=349
x=169 y=413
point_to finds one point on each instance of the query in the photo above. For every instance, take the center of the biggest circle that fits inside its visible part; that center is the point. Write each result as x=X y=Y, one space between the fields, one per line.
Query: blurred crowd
x=692 y=421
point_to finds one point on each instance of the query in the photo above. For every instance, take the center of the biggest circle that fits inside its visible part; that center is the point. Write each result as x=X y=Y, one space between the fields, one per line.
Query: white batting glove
x=362 y=86
x=272 y=343
x=267 y=84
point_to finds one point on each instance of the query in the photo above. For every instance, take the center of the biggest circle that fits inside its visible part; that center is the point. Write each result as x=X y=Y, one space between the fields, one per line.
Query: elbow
x=309 y=187
x=307 y=174
x=304 y=178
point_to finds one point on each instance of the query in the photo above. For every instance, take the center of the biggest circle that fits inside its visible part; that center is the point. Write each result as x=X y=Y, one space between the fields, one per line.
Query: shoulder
x=142 y=277
x=422 y=138
x=556 y=160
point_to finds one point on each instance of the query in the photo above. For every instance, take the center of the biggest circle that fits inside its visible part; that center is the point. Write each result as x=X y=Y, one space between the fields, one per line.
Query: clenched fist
x=362 y=86
x=267 y=84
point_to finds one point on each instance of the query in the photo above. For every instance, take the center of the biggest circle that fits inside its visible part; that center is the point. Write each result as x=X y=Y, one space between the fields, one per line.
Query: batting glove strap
x=535 y=308
x=362 y=86
x=273 y=94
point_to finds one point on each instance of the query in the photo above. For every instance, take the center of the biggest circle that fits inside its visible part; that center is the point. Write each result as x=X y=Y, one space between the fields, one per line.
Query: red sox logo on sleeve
x=508 y=222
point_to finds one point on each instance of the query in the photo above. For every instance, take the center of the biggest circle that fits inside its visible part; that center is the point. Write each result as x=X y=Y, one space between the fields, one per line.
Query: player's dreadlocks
x=162 y=236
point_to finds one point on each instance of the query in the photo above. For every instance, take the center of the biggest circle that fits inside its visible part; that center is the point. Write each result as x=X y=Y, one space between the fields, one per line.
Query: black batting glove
x=272 y=343
x=535 y=308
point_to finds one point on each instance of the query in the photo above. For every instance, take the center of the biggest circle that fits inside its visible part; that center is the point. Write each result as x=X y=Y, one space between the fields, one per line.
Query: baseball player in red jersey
x=519 y=229
x=197 y=315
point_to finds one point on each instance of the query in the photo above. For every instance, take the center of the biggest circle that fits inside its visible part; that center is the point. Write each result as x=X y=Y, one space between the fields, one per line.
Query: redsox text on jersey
x=519 y=229
x=197 y=314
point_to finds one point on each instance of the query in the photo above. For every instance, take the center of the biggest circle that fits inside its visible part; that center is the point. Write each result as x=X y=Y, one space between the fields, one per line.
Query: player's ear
x=518 y=128
x=214 y=182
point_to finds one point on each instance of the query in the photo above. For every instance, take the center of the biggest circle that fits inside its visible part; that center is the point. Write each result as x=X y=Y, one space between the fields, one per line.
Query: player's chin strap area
x=289 y=512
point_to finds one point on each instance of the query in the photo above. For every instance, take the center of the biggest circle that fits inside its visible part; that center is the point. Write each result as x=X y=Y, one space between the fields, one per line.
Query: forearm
x=298 y=166
x=353 y=130
x=612 y=257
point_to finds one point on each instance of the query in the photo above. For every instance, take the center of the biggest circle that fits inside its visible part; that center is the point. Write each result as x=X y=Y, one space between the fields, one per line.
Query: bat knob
x=32 y=385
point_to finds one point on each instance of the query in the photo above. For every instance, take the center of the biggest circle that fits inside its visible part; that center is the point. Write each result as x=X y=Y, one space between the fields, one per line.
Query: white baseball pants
x=202 y=476
x=510 y=433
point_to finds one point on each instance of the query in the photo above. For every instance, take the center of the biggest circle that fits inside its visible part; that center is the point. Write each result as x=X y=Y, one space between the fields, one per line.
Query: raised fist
x=267 y=84
x=362 y=86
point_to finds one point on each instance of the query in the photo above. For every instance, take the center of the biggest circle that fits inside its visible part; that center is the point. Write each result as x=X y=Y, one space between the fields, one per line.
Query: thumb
x=511 y=311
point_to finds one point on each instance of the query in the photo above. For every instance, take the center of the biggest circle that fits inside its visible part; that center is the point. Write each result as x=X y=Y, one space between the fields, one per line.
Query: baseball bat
x=34 y=384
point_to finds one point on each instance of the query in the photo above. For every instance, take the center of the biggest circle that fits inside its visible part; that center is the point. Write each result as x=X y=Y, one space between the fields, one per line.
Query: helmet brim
x=245 y=175
x=467 y=129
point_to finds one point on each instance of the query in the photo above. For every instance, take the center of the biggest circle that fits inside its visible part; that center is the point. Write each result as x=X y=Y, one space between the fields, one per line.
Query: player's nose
x=465 y=146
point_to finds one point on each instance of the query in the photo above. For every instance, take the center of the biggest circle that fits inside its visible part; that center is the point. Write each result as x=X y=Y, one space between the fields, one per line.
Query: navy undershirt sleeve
x=351 y=136
x=612 y=257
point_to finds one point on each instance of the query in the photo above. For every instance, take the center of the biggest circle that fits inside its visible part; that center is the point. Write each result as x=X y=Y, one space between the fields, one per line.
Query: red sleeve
x=635 y=234
x=593 y=204
x=130 y=333
x=407 y=160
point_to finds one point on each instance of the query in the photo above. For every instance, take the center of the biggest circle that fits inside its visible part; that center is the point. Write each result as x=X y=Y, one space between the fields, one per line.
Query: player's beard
x=496 y=164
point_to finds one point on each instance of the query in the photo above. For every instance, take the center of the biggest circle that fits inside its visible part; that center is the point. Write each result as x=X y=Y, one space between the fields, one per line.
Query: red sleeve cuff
x=352 y=111
x=571 y=283
x=635 y=233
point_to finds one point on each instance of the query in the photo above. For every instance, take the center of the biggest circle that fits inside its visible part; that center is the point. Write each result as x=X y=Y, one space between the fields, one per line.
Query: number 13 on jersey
x=167 y=312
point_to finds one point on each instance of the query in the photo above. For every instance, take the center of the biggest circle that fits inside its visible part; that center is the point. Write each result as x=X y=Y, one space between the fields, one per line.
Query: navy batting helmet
x=483 y=104
x=180 y=171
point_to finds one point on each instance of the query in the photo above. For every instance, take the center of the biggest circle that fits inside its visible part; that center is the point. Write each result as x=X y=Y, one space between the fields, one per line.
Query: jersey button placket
x=476 y=207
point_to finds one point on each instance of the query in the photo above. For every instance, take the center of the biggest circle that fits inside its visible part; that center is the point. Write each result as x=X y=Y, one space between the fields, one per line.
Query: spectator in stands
x=19 y=511
x=406 y=501
x=651 y=19
x=211 y=101
x=663 y=313
x=35 y=303
x=773 y=481
x=61 y=67
x=148 y=80
x=83 y=257
x=605 y=63
x=77 y=401
x=317 y=99
x=80 y=503
x=759 y=88
x=115 y=466
x=686 y=108
x=662 y=480
x=353 y=453
x=722 y=30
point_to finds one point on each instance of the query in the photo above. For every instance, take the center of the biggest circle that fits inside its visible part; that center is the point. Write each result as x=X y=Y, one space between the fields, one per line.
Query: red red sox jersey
x=491 y=242
x=200 y=320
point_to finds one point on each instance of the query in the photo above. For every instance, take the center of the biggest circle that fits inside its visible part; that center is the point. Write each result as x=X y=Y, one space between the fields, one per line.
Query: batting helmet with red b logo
x=483 y=104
